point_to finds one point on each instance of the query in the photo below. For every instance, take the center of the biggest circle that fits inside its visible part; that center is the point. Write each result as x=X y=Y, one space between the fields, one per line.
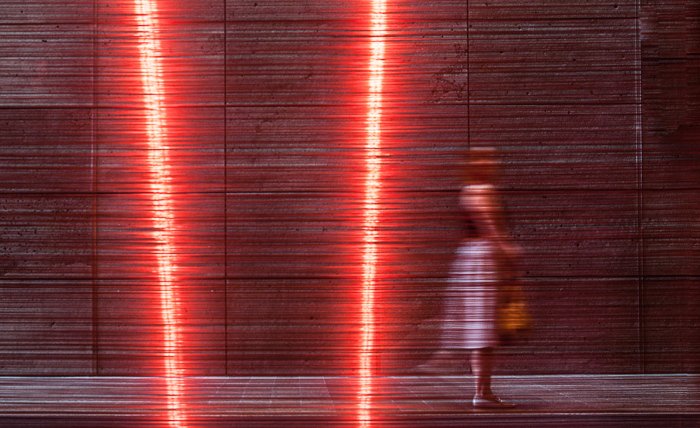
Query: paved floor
x=429 y=401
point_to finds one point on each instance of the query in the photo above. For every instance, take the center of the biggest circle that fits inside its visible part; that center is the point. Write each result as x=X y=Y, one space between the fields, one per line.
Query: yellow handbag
x=513 y=318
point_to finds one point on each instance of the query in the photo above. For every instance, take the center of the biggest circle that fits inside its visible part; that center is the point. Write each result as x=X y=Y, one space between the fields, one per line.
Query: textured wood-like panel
x=670 y=37
x=46 y=327
x=294 y=152
x=582 y=233
x=552 y=9
x=46 y=219
x=424 y=140
x=670 y=325
x=598 y=329
x=554 y=87
x=130 y=324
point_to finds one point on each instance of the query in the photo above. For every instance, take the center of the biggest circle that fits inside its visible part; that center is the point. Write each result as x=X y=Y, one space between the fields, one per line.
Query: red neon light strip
x=161 y=189
x=371 y=207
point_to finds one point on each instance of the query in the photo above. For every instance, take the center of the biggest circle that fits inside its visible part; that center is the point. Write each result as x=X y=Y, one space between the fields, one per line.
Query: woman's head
x=481 y=166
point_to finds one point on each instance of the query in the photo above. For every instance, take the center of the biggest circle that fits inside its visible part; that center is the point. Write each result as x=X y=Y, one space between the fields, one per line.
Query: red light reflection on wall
x=371 y=207
x=161 y=191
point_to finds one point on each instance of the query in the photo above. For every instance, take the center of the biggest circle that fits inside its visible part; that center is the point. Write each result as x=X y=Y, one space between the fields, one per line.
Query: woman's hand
x=509 y=259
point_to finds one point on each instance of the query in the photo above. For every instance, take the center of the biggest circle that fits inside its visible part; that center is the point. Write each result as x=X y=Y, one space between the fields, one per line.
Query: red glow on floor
x=371 y=208
x=161 y=191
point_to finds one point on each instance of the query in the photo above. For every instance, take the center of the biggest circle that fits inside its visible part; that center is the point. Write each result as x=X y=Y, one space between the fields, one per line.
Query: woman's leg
x=484 y=398
x=482 y=365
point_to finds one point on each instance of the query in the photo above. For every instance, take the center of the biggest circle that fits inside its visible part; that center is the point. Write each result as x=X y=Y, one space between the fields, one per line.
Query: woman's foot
x=490 y=402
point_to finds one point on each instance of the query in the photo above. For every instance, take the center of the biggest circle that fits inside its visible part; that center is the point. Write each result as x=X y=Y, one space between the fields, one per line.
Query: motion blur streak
x=371 y=208
x=161 y=191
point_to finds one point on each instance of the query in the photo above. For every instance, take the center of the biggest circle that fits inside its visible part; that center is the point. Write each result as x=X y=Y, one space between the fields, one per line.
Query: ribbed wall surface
x=593 y=106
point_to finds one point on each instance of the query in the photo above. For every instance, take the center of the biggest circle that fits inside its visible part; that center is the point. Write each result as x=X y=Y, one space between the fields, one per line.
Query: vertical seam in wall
x=225 y=187
x=469 y=96
x=93 y=166
x=640 y=188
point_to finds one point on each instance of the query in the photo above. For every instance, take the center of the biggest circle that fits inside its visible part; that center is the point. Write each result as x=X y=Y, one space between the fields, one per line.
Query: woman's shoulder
x=477 y=189
x=478 y=186
x=476 y=195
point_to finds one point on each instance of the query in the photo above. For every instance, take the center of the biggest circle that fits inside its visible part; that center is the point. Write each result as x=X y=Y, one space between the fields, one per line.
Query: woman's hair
x=481 y=165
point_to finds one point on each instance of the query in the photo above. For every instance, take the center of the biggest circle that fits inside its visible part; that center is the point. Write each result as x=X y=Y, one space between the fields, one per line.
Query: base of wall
x=431 y=400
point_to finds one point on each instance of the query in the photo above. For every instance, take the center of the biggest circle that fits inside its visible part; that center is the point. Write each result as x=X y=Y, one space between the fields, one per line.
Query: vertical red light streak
x=371 y=207
x=161 y=191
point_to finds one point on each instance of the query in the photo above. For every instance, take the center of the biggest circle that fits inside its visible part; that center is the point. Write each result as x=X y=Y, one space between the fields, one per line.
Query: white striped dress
x=470 y=309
